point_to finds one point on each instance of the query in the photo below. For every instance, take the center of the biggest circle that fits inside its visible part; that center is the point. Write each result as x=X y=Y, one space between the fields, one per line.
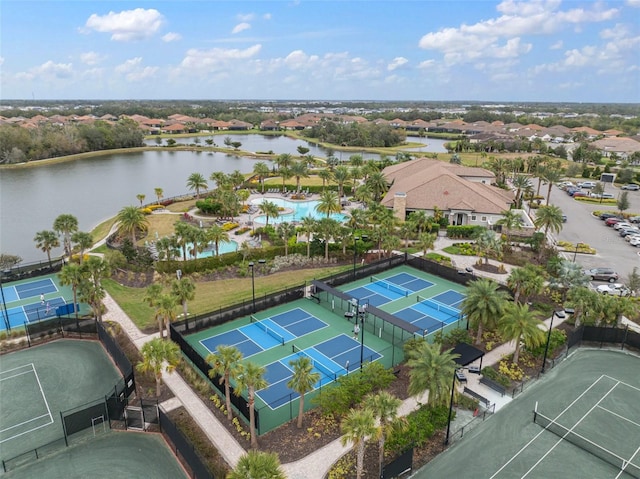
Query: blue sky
x=548 y=50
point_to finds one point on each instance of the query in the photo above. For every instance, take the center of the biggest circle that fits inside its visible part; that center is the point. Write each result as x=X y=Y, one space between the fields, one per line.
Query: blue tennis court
x=429 y=315
x=33 y=312
x=330 y=359
x=381 y=291
x=450 y=298
x=263 y=334
x=29 y=290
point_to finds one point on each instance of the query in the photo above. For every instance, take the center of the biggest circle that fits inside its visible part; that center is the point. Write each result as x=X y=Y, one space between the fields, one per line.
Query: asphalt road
x=581 y=226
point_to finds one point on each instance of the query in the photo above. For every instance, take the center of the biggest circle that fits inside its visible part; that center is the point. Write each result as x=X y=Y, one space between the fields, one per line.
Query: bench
x=479 y=397
x=493 y=385
x=315 y=298
x=349 y=315
x=460 y=376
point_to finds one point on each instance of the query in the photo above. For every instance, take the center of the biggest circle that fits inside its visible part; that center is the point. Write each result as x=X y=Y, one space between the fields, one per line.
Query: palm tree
x=251 y=378
x=285 y=174
x=487 y=242
x=328 y=203
x=407 y=229
x=167 y=310
x=152 y=298
x=285 y=231
x=308 y=226
x=341 y=175
x=568 y=276
x=157 y=354
x=182 y=235
x=261 y=170
x=91 y=291
x=131 y=219
x=420 y=219
x=237 y=179
x=550 y=218
x=217 y=235
x=158 y=192
x=46 y=240
x=385 y=408
x=71 y=275
x=270 y=210
x=197 y=182
x=83 y=240
x=551 y=175
x=431 y=370
x=520 y=324
x=510 y=220
x=140 y=197
x=426 y=241
x=484 y=304
x=257 y=464
x=299 y=170
x=325 y=229
x=302 y=381
x=283 y=160
x=378 y=184
x=184 y=290
x=526 y=281
x=520 y=183
x=66 y=225
x=226 y=363
x=356 y=427
x=326 y=176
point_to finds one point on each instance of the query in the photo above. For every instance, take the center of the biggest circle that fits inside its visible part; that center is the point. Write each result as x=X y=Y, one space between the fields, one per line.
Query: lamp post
x=253 y=284
x=355 y=251
x=5 y=314
x=575 y=253
x=546 y=347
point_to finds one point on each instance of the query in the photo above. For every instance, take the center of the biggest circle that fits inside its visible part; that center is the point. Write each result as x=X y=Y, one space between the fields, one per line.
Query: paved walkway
x=317 y=464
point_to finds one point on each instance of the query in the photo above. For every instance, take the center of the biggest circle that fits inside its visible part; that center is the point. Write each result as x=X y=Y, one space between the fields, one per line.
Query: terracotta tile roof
x=428 y=183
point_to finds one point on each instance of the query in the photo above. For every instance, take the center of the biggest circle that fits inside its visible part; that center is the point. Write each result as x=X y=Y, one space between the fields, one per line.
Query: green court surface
x=111 y=454
x=37 y=383
x=593 y=396
x=327 y=336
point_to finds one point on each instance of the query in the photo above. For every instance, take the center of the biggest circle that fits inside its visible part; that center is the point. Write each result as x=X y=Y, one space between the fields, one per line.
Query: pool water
x=229 y=247
x=301 y=209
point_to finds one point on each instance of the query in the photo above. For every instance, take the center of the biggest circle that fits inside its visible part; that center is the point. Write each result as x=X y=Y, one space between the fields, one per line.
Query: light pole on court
x=355 y=251
x=253 y=283
x=456 y=371
x=546 y=347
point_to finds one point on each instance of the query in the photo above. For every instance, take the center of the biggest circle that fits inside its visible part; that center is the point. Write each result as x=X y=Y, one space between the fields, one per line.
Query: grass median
x=211 y=295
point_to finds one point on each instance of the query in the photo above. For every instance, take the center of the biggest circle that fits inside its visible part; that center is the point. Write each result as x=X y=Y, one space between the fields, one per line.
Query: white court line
x=627 y=463
x=22 y=424
x=16 y=375
x=572 y=428
x=16 y=368
x=619 y=415
x=542 y=431
x=44 y=415
x=622 y=382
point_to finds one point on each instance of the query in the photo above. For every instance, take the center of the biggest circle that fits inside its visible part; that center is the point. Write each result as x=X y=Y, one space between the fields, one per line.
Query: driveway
x=581 y=226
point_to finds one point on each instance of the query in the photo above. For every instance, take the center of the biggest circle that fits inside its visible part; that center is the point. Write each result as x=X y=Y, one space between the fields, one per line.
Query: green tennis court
x=587 y=424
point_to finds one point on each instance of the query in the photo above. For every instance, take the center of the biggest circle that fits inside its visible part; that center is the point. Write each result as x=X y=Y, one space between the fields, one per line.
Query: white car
x=622 y=224
x=615 y=289
x=628 y=238
x=635 y=241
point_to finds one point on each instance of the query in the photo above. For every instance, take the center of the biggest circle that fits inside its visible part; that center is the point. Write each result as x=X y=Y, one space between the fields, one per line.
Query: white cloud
x=48 y=71
x=171 y=37
x=246 y=17
x=557 y=45
x=634 y=3
x=91 y=58
x=134 y=71
x=266 y=16
x=216 y=57
x=397 y=62
x=241 y=27
x=426 y=64
x=127 y=25
x=1 y=60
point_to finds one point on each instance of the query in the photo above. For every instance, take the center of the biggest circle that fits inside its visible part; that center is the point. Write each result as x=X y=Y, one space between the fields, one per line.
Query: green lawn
x=211 y=295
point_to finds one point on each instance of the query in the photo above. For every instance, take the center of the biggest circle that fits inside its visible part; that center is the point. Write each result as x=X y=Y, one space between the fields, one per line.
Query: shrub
x=146 y=211
x=229 y=226
x=557 y=339
x=494 y=375
x=421 y=425
x=463 y=231
x=242 y=230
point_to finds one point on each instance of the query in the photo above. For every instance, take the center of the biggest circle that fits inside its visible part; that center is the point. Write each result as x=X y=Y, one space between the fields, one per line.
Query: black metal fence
x=120 y=358
x=29 y=270
x=183 y=448
x=40 y=331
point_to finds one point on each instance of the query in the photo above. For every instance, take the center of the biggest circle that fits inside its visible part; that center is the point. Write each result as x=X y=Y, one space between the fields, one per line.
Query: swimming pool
x=301 y=209
x=229 y=247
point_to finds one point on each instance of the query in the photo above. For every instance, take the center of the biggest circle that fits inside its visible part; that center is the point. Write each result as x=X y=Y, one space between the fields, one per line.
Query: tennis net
x=267 y=329
x=587 y=445
x=317 y=365
x=438 y=306
x=390 y=286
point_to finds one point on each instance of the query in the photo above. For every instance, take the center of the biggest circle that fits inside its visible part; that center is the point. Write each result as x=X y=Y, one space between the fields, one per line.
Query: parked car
x=634 y=241
x=612 y=221
x=634 y=219
x=602 y=274
x=563 y=185
x=564 y=218
x=622 y=224
x=631 y=187
x=587 y=184
x=605 y=216
x=615 y=289
x=628 y=238
x=571 y=190
x=604 y=196
x=580 y=193
x=628 y=231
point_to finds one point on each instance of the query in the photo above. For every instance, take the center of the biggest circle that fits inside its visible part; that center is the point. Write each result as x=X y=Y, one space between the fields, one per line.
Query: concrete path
x=317 y=464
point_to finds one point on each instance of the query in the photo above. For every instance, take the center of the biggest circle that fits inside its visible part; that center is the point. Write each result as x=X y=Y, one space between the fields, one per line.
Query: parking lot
x=581 y=226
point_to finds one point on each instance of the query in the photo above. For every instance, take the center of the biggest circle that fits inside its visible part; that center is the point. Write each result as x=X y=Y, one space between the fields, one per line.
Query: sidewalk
x=317 y=464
